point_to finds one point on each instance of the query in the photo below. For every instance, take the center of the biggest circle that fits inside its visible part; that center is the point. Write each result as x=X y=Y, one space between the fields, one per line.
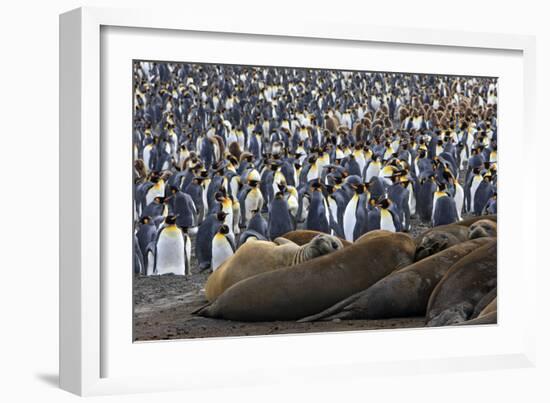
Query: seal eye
x=334 y=245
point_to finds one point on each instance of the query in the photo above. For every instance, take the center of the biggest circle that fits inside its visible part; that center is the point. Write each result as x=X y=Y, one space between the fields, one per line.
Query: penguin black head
x=174 y=189
x=159 y=200
x=221 y=216
x=154 y=177
x=316 y=186
x=224 y=229
x=145 y=220
x=282 y=186
x=384 y=203
x=171 y=219
x=359 y=188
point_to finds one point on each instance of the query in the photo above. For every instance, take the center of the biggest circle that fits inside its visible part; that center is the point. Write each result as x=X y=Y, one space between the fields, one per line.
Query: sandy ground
x=163 y=306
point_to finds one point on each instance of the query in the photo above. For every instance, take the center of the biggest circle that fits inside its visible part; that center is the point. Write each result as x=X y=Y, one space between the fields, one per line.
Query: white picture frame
x=85 y=344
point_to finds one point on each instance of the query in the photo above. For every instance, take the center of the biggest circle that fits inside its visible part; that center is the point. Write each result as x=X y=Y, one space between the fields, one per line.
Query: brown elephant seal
x=439 y=238
x=301 y=237
x=404 y=292
x=255 y=257
x=469 y=221
x=454 y=299
x=482 y=228
x=487 y=319
x=295 y=292
x=483 y=302
x=491 y=307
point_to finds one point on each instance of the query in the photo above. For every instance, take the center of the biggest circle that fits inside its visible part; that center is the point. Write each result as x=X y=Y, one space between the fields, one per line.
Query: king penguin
x=250 y=197
x=389 y=220
x=172 y=250
x=258 y=223
x=426 y=190
x=372 y=169
x=471 y=188
x=223 y=247
x=156 y=190
x=146 y=234
x=318 y=215
x=183 y=207
x=205 y=234
x=280 y=219
x=354 y=214
x=444 y=208
x=483 y=194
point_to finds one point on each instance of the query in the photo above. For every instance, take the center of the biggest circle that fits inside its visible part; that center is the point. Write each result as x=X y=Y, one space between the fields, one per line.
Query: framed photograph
x=257 y=201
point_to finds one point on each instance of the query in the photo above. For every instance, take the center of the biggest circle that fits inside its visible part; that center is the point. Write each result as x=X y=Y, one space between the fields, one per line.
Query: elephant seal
x=403 y=293
x=310 y=287
x=469 y=221
x=491 y=307
x=483 y=302
x=255 y=257
x=487 y=319
x=301 y=237
x=436 y=239
x=482 y=228
x=454 y=299
x=439 y=238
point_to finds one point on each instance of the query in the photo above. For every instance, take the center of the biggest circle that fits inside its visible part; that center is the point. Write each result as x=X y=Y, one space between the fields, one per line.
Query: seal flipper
x=336 y=311
x=202 y=311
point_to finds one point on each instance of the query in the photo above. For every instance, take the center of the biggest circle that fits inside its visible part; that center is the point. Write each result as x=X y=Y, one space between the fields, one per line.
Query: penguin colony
x=225 y=155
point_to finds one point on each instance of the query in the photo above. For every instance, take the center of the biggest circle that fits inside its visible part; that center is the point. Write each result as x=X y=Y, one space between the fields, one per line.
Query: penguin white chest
x=254 y=201
x=459 y=199
x=386 y=220
x=155 y=191
x=293 y=205
x=147 y=157
x=360 y=158
x=475 y=185
x=372 y=171
x=333 y=208
x=412 y=199
x=350 y=218
x=227 y=207
x=171 y=252
x=221 y=250
x=313 y=173
x=150 y=263
x=234 y=186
